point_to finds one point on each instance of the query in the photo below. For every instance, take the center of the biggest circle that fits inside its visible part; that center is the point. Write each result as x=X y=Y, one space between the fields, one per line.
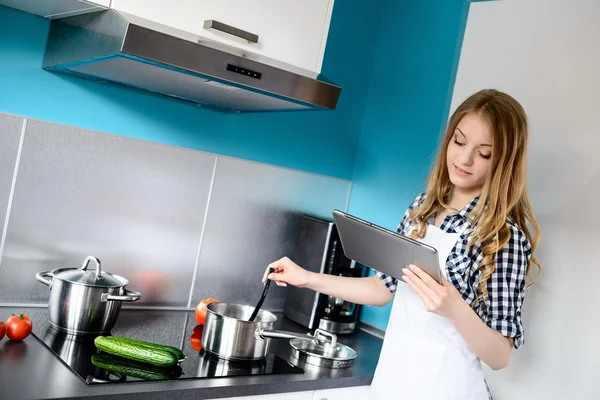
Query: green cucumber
x=136 y=352
x=134 y=369
x=178 y=353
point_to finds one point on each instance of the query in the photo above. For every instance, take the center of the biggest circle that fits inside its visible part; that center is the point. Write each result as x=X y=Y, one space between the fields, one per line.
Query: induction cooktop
x=80 y=355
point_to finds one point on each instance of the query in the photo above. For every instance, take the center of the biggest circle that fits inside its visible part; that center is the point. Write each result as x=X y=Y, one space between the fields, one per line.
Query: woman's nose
x=467 y=157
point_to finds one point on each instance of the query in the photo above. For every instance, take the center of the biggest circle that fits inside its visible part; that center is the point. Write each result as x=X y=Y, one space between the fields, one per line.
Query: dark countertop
x=30 y=370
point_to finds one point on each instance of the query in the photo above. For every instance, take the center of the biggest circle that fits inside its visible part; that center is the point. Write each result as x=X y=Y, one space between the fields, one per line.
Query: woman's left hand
x=440 y=299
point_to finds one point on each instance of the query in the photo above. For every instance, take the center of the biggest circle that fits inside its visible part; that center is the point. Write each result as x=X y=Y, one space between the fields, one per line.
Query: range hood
x=119 y=48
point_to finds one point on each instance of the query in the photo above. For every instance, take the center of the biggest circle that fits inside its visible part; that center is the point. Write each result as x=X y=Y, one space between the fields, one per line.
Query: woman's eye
x=486 y=156
x=458 y=143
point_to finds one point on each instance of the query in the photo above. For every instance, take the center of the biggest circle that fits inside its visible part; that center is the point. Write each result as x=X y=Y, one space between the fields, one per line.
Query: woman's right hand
x=371 y=290
x=285 y=272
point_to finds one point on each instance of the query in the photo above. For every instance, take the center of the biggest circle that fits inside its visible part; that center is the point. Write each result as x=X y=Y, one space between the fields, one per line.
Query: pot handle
x=98 y=268
x=331 y=336
x=263 y=333
x=129 y=295
x=41 y=277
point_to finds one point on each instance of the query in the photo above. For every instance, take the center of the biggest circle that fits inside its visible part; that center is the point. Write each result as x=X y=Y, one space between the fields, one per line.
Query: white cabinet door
x=291 y=31
x=103 y=3
x=347 y=393
x=278 y=396
x=57 y=8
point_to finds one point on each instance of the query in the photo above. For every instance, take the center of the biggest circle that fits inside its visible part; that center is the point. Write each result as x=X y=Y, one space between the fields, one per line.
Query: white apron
x=424 y=357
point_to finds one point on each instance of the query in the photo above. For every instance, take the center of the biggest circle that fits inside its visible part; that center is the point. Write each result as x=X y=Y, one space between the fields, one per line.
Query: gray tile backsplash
x=137 y=206
x=10 y=135
x=140 y=208
x=253 y=218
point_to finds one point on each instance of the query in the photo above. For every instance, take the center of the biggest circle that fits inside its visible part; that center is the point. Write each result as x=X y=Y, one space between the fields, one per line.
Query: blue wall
x=323 y=142
x=407 y=107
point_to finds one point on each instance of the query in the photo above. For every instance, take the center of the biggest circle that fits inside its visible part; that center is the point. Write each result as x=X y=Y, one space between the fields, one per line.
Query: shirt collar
x=463 y=213
x=466 y=210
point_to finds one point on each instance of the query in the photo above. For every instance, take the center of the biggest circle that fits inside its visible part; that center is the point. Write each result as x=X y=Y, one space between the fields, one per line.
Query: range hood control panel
x=244 y=71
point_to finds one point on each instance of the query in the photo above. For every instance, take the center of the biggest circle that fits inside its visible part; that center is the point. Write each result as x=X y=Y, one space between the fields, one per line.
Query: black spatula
x=262 y=298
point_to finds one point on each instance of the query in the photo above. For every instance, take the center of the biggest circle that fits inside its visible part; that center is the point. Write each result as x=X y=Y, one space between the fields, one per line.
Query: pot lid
x=318 y=347
x=83 y=276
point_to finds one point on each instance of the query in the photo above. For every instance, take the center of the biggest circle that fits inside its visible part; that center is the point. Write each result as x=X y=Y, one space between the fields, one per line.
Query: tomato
x=18 y=327
x=2 y=330
x=201 y=309
x=196 y=338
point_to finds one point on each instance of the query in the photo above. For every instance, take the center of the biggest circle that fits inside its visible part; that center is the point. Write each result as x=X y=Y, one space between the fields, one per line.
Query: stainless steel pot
x=229 y=334
x=84 y=301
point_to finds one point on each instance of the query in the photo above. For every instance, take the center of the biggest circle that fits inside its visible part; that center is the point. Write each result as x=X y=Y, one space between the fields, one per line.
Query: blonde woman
x=476 y=212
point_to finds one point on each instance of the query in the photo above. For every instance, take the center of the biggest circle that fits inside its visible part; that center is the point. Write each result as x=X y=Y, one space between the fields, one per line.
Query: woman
x=476 y=212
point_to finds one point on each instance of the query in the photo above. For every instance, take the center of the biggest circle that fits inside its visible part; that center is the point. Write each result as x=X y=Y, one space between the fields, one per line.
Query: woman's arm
x=369 y=291
x=488 y=344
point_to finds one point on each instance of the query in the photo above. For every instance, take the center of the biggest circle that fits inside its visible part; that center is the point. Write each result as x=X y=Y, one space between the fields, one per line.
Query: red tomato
x=18 y=327
x=201 y=309
x=2 y=330
x=196 y=338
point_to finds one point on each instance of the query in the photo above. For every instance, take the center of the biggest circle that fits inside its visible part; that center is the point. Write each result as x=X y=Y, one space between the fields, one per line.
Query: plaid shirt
x=501 y=309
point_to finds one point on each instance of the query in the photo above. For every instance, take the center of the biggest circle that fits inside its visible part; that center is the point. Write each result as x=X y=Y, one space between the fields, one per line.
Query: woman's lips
x=461 y=171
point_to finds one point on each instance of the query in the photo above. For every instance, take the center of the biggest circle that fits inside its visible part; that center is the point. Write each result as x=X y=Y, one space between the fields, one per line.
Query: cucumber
x=124 y=367
x=178 y=353
x=136 y=352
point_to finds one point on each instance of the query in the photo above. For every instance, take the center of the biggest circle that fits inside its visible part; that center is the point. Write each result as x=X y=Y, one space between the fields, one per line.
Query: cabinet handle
x=232 y=30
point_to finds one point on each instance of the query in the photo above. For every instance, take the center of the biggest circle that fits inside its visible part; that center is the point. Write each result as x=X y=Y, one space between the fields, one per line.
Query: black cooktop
x=94 y=367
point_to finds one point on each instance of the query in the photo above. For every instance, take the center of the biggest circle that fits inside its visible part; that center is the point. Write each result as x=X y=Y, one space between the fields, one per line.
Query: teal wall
x=407 y=107
x=322 y=141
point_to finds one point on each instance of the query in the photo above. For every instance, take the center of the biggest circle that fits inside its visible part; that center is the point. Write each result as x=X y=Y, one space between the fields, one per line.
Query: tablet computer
x=384 y=250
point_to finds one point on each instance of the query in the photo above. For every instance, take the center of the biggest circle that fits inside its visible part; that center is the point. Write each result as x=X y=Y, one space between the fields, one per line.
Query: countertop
x=30 y=370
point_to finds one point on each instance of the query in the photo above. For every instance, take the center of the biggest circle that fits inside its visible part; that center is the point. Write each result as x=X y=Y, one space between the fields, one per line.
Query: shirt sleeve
x=506 y=288
x=390 y=282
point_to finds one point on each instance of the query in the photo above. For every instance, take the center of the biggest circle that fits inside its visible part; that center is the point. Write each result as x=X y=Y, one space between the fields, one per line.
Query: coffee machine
x=318 y=249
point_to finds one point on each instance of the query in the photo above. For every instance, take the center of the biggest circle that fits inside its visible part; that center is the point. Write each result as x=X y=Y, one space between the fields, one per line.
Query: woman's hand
x=440 y=299
x=488 y=344
x=285 y=271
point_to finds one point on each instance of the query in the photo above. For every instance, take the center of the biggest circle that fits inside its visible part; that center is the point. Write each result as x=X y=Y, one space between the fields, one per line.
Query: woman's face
x=469 y=153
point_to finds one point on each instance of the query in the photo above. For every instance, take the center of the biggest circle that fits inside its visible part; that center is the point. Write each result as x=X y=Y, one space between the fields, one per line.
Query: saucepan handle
x=41 y=277
x=263 y=333
x=129 y=295
x=276 y=334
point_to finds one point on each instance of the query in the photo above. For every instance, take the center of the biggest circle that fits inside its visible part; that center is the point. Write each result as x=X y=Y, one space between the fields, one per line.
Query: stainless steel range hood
x=119 y=48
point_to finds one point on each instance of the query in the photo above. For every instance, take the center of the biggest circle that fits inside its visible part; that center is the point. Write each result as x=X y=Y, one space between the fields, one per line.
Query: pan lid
x=323 y=348
x=85 y=277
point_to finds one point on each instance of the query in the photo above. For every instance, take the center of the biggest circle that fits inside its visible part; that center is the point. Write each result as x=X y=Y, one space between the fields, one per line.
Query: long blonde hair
x=504 y=194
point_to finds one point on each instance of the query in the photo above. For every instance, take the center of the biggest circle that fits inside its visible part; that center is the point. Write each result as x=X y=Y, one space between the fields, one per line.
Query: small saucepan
x=230 y=335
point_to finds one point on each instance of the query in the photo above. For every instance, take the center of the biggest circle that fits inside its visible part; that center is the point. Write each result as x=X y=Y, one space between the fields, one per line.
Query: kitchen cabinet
x=279 y=396
x=57 y=8
x=103 y=3
x=291 y=31
x=346 y=393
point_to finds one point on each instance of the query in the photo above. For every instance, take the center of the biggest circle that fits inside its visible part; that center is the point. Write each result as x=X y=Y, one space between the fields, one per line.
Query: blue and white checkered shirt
x=501 y=309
